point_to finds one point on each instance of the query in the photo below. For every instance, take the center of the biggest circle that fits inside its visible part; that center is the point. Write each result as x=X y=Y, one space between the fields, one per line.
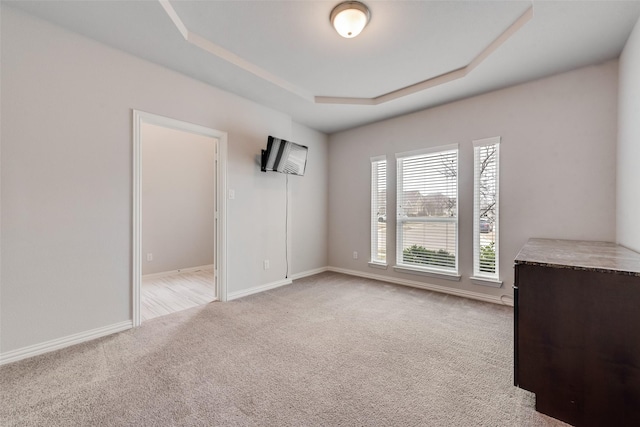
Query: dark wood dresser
x=577 y=330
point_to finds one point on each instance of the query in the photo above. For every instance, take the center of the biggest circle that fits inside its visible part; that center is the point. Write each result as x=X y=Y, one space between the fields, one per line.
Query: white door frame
x=220 y=252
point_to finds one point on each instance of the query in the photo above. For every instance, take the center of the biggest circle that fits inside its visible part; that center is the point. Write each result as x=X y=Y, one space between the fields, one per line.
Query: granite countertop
x=580 y=255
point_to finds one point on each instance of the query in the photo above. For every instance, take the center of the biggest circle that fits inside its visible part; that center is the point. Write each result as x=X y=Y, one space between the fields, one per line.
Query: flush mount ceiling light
x=349 y=18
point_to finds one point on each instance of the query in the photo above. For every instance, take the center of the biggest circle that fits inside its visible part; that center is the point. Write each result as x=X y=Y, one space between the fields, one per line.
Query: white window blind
x=427 y=211
x=379 y=210
x=485 y=208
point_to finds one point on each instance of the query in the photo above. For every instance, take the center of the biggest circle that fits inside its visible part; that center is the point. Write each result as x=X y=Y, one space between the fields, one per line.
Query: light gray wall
x=628 y=182
x=557 y=174
x=178 y=195
x=67 y=178
x=309 y=205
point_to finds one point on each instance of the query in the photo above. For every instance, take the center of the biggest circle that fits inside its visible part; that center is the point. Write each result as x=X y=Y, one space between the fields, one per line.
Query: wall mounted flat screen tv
x=284 y=157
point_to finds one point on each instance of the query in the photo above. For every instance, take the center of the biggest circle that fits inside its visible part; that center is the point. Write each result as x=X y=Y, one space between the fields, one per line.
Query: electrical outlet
x=355 y=255
x=232 y=194
x=149 y=256
x=266 y=264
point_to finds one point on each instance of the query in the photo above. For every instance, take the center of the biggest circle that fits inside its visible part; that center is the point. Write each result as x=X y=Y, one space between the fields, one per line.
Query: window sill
x=427 y=272
x=485 y=281
x=378 y=265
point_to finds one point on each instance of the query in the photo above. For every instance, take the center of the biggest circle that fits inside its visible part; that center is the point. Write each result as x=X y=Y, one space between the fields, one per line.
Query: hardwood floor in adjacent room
x=169 y=294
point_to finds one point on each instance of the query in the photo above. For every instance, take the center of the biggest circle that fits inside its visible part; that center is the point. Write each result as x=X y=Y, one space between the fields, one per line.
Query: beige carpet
x=329 y=350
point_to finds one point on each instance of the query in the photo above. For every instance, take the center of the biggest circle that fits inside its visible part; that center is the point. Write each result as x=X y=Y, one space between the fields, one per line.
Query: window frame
x=483 y=277
x=374 y=260
x=434 y=271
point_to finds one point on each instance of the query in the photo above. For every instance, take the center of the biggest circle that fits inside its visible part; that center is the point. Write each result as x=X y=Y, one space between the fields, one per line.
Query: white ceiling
x=285 y=53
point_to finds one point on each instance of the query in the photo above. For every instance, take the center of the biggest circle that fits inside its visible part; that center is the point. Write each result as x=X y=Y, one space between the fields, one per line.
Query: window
x=485 y=208
x=379 y=210
x=427 y=212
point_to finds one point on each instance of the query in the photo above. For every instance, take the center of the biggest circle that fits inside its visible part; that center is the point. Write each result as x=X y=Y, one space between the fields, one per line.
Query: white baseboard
x=47 y=346
x=174 y=272
x=273 y=285
x=308 y=273
x=428 y=286
x=257 y=289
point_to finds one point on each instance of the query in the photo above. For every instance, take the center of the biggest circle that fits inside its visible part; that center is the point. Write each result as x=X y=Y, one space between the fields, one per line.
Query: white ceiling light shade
x=349 y=18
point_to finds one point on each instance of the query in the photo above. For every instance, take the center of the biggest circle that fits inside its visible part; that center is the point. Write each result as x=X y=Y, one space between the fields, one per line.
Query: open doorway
x=179 y=232
x=178 y=220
